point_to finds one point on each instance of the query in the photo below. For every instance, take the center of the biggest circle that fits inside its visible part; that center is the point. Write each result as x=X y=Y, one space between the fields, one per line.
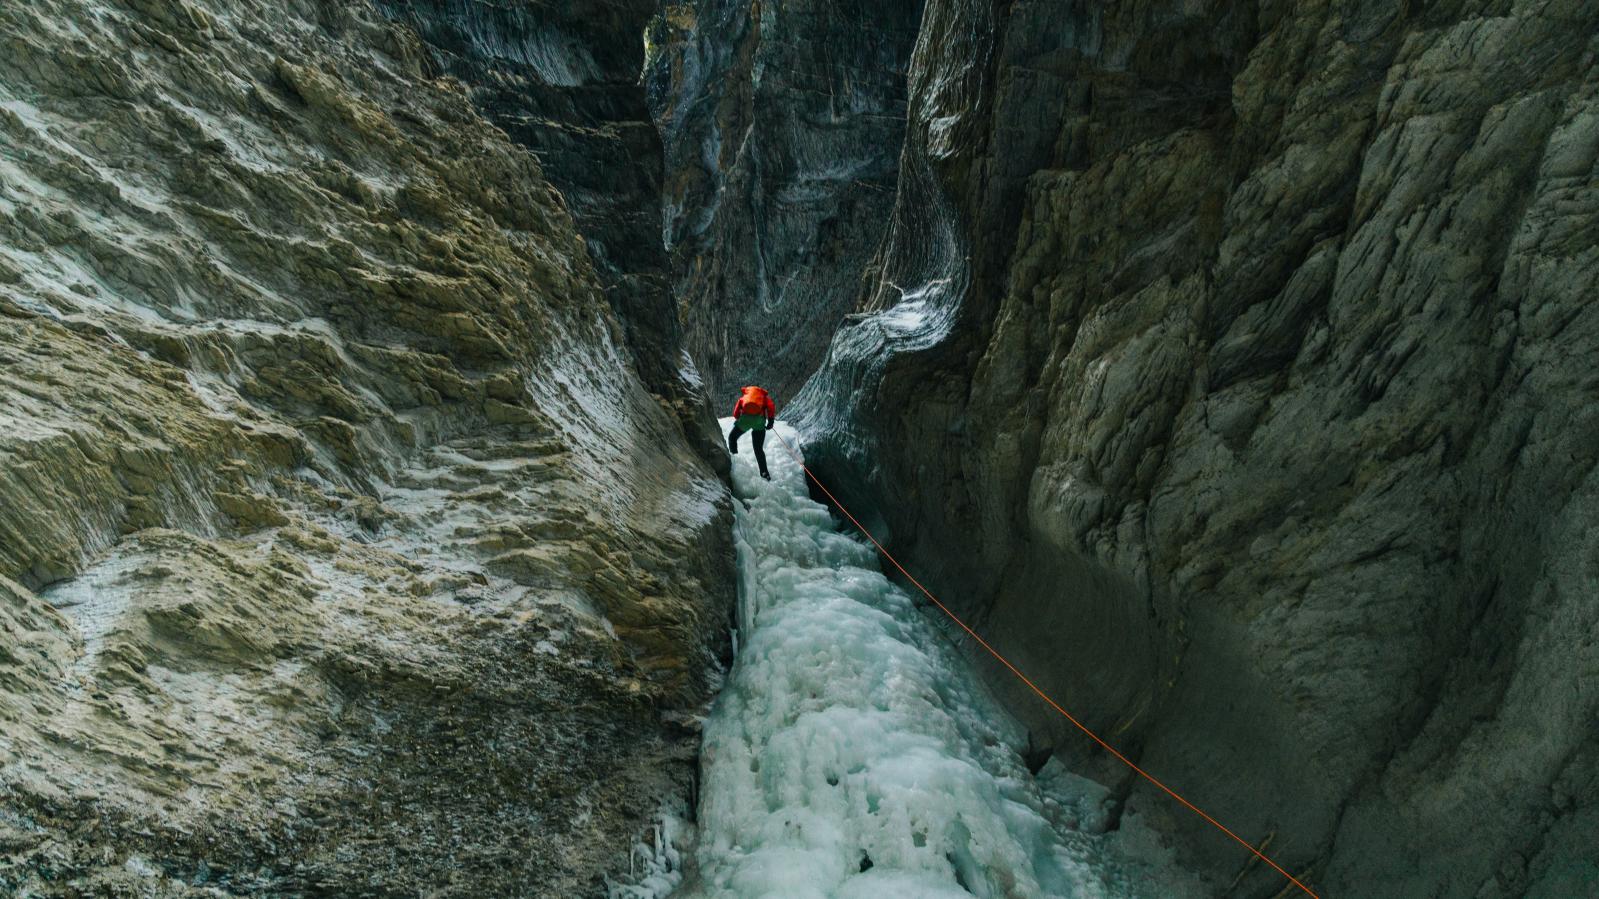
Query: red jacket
x=755 y=401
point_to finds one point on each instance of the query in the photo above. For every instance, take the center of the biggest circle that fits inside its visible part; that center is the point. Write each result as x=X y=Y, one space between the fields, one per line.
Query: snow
x=852 y=753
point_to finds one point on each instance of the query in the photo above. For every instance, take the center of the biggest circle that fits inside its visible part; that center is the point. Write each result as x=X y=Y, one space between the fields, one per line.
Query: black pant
x=759 y=439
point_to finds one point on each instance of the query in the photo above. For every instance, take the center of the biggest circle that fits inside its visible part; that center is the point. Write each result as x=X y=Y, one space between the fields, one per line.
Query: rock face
x=344 y=548
x=1244 y=393
x=781 y=123
x=563 y=81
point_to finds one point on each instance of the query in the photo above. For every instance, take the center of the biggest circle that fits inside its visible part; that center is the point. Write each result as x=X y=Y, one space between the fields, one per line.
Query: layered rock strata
x=344 y=550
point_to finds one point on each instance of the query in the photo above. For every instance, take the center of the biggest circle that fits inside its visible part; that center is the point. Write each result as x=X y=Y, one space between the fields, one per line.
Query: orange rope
x=1032 y=686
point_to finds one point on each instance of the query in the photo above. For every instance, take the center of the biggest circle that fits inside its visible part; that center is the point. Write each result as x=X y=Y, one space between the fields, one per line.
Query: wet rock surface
x=344 y=546
x=1245 y=397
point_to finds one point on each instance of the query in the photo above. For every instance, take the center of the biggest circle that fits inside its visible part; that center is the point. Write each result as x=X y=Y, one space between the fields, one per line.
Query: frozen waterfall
x=852 y=754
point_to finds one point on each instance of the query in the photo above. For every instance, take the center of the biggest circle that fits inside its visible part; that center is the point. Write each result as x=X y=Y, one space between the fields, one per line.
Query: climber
x=756 y=412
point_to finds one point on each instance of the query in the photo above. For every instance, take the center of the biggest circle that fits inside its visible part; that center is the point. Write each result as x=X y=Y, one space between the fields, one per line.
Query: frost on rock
x=851 y=753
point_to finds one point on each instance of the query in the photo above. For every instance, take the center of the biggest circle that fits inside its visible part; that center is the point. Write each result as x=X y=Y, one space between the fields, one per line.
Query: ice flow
x=850 y=753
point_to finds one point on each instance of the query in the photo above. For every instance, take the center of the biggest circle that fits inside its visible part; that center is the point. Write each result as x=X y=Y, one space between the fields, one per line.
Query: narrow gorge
x=367 y=527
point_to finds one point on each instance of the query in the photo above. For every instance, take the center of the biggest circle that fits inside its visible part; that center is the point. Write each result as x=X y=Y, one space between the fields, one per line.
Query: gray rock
x=781 y=124
x=1248 y=405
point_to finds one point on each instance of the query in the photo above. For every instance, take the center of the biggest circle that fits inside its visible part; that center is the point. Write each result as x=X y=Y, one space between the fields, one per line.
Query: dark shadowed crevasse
x=782 y=124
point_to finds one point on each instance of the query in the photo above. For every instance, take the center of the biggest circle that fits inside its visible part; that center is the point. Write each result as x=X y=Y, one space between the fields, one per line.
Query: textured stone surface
x=563 y=80
x=1248 y=401
x=343 y=549
x=782 y=124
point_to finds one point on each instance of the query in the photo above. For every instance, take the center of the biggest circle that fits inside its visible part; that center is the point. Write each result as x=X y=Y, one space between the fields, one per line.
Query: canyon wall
x=563 y=81
x=1233 y=369
x=353 y=538
x=781 y=124
x=1231 y=365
